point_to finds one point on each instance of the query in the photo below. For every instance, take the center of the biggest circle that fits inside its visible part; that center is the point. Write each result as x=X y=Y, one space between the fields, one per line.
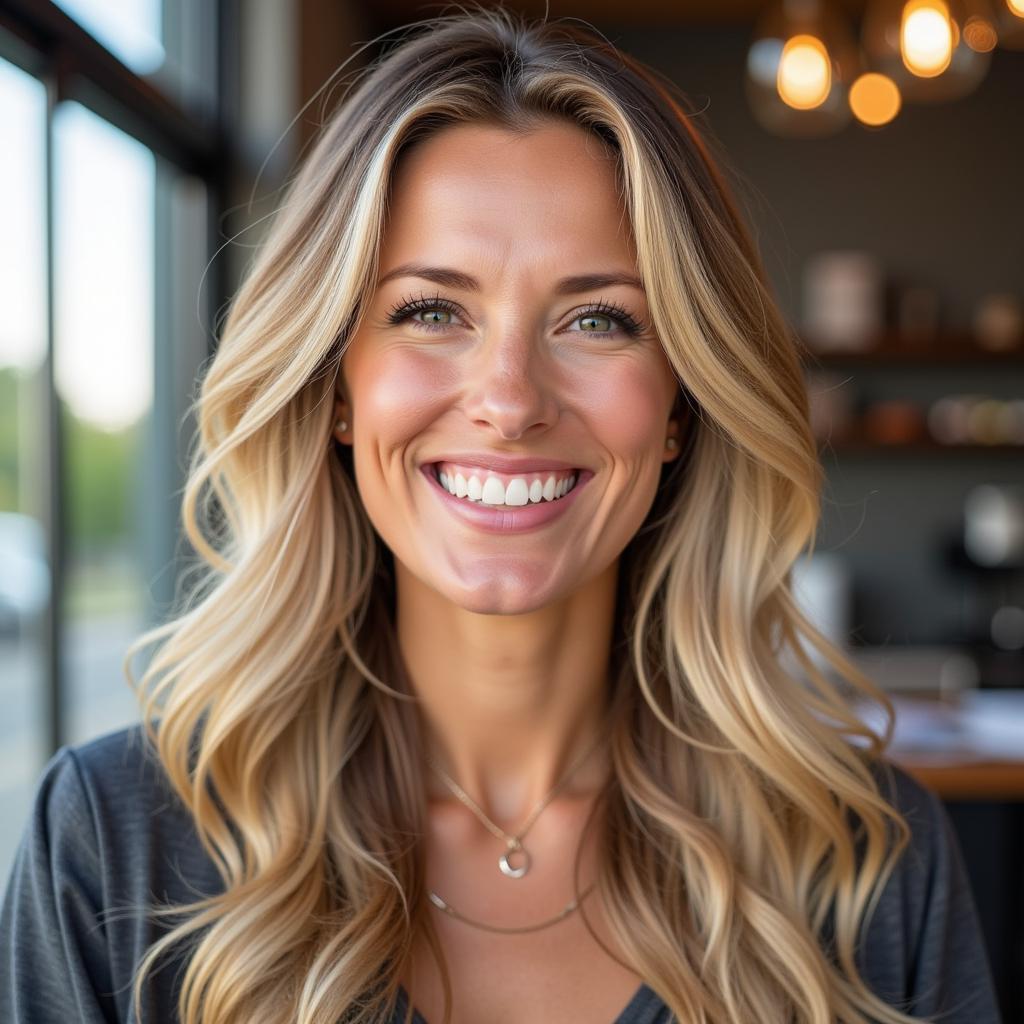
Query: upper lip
x=504 y=463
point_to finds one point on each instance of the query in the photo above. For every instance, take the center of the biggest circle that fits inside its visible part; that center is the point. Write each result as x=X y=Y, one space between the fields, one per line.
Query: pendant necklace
x=513 y=847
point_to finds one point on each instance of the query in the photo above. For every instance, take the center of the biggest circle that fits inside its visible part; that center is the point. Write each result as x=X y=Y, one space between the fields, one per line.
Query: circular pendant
x=514 y=846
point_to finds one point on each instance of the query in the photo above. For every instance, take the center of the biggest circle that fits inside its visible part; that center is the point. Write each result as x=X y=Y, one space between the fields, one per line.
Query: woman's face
x=504 y=357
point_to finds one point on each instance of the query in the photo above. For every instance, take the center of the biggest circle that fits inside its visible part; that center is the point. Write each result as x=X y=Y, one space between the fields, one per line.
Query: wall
x=936 y=196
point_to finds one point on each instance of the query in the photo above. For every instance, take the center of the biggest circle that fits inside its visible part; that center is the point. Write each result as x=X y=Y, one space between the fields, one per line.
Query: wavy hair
x=283 y=716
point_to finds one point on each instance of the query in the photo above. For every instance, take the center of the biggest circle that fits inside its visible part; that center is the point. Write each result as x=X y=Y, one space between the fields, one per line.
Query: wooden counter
x=966 y=747
x=960 y=779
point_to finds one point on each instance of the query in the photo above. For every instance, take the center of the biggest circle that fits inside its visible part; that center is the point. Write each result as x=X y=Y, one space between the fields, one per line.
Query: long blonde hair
x=744 y=815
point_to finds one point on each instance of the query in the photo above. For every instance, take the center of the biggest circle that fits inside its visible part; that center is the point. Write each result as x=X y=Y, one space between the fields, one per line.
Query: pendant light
x=875 y=99
x=934 y=50
x=1008 y=16
x=799 y=68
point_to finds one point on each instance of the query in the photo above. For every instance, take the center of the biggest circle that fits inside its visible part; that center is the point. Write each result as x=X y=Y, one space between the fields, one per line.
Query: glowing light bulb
x=805 y=73
x=926 y=37
x=874 y=99
x=980 y=35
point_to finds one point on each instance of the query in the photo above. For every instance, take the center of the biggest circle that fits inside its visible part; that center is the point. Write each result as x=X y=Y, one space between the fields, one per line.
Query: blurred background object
x=875 y=149
x=800 y=66
x=999 y=323
x=843 y=301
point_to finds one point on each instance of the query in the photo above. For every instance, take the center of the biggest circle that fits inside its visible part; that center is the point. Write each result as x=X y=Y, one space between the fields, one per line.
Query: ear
x=678 y=426
x=342 y=413
x=682 y=410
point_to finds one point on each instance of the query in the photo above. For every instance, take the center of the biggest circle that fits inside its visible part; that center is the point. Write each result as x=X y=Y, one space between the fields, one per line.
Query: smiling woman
x=481 y=711
x=506 y=370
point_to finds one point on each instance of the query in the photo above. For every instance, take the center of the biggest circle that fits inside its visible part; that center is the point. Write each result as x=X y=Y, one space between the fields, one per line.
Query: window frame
x=47 y=43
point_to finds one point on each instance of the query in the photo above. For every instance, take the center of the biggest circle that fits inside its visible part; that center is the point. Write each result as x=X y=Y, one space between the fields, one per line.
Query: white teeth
x=517 y=493
x=492 y=492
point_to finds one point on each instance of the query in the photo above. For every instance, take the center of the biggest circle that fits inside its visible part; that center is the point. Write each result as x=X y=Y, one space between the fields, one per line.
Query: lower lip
x=518 y=519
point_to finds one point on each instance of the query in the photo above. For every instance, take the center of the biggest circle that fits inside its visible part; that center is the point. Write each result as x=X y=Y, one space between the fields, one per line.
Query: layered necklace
x=513 y=847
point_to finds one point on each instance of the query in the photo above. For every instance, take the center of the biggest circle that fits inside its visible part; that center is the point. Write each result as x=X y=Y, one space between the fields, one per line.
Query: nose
x=510 y=386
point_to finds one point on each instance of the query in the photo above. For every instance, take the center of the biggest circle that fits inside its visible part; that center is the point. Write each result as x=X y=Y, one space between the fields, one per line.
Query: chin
x=507 y=593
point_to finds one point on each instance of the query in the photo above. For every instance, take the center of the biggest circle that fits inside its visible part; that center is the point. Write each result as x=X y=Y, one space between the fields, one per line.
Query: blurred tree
x=9 y=383
x=100 y=503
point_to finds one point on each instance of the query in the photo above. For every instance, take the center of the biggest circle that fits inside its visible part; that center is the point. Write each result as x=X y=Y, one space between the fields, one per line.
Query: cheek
x=626 y=408
x=396 y=395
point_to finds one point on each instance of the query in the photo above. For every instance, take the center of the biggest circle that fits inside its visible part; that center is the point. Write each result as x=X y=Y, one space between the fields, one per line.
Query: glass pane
x=130 y=29
x=24 y=569
x=103 y=366
x=173 y=44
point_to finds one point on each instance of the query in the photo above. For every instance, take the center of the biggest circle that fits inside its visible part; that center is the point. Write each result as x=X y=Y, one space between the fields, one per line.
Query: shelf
x=923 y=447
x=894 y=351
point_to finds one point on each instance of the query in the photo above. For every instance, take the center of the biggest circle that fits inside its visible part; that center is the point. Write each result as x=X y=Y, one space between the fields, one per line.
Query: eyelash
x=406 y=307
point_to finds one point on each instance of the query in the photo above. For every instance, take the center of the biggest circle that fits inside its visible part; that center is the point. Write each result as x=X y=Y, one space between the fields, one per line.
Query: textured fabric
x=106 y=835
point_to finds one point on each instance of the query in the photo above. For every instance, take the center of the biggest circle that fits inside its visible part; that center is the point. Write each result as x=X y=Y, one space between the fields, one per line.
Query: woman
x=481 y=714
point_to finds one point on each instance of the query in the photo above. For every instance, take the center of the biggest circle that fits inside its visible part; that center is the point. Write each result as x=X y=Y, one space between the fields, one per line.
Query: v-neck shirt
x=106 y=832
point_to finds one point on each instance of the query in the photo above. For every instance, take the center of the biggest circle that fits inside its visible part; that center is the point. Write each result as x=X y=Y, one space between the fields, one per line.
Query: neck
x=511 y=702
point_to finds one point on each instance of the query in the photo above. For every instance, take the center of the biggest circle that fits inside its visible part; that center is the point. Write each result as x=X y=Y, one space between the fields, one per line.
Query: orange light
x=1016 y=7
x=926 y=37
x=980 y=35
x=804 y=78
x=874 y=99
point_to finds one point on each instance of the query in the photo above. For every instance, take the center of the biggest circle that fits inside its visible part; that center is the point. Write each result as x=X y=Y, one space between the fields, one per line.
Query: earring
x=672 y=444
x=340 y=427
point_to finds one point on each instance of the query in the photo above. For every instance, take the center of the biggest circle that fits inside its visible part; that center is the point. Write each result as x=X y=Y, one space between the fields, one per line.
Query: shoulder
x=931 y=835
x=82 y=784
x=139 y=817
x=903 y=790
x=105 y=838
x=930 y=874
x=107 y=807
x=931 y=858
x=115 y=776
x=118 y=771
x=923 y=947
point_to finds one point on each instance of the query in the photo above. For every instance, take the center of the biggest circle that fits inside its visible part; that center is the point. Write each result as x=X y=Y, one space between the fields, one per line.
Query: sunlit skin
x=507 y=637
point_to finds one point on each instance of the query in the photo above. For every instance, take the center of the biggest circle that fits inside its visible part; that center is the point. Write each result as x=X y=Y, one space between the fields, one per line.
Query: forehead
x=549 y=196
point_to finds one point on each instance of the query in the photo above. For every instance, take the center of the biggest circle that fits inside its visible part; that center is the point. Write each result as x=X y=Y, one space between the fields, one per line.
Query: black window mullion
x=47 y=43
x=52 y=482
x=92 y=75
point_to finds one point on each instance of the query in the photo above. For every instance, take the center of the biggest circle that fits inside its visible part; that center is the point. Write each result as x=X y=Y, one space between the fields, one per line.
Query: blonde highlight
x=742 y=822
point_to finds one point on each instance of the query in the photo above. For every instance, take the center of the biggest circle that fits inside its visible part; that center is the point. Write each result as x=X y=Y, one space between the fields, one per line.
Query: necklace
x=513 y=845
x=561 y=915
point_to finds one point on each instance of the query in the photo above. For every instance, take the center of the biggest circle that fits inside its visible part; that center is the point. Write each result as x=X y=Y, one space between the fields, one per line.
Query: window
x=108 y=195
x=24 y=570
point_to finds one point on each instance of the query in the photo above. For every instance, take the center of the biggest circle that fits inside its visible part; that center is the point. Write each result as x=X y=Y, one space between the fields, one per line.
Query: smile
x=515 y=509
x=511 y=490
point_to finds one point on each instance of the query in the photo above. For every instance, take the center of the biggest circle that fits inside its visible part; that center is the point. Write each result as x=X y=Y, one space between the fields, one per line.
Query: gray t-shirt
x=106 y=833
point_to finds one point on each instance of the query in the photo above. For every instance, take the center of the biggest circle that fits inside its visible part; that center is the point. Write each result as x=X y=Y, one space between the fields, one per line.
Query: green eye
x=591 y=318
x=434 y=315
x=440 y=312
x=604 y=319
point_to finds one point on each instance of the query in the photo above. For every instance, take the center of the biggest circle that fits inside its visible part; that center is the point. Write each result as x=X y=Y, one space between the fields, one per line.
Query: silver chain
x=513 y=842
x=564 y=913
x=513 y=845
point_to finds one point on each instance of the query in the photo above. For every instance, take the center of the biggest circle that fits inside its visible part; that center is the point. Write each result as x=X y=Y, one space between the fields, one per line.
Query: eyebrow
x=451 y=278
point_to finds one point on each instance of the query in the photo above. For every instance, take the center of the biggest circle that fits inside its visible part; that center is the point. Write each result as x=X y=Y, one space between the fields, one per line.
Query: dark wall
x=938 y=197
x=937 y=194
